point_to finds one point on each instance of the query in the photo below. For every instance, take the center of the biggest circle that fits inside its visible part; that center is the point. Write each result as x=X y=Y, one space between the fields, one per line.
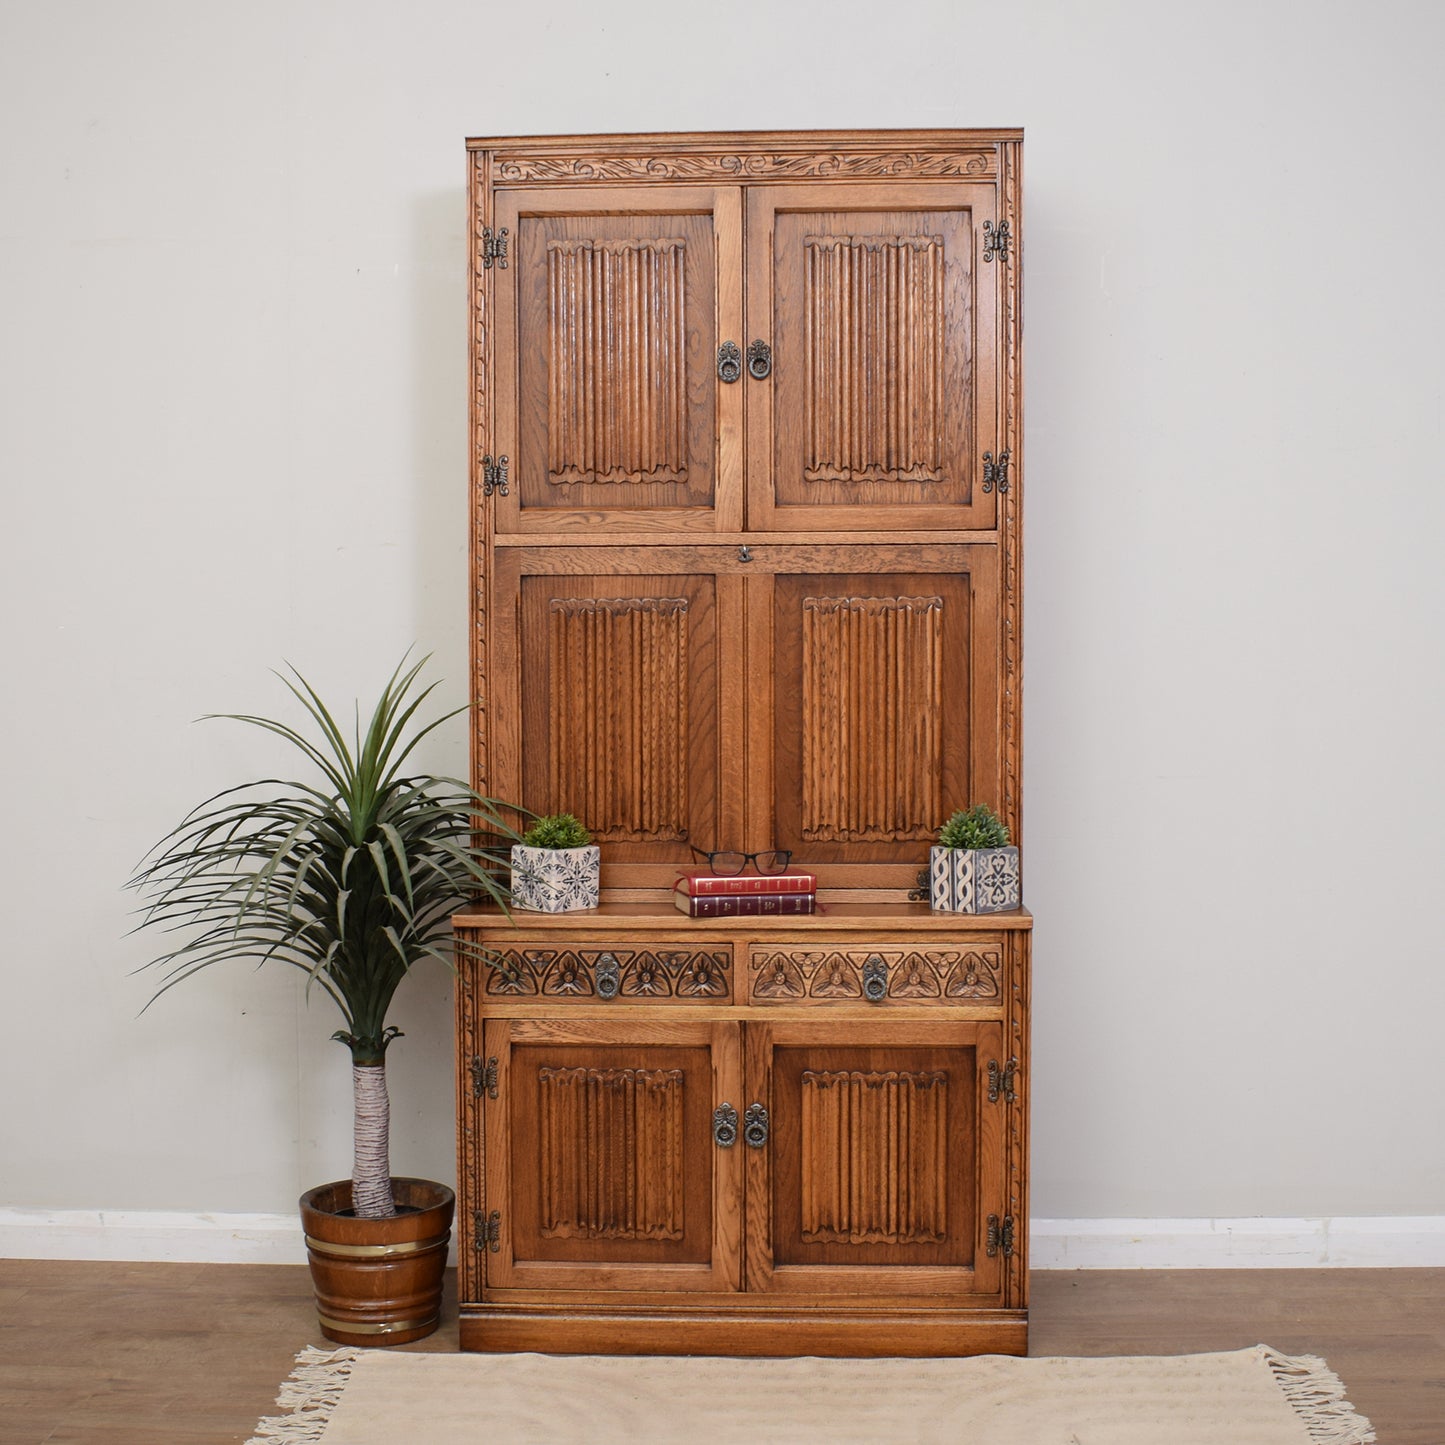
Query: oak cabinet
x=746 y=455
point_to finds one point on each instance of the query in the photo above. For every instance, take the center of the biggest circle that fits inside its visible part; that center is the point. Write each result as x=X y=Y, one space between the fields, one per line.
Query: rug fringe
x=309 y=1395
x=1318 y=1398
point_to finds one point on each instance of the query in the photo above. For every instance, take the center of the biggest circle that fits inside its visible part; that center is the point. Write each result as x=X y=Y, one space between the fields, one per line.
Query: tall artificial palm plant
x=351 y=879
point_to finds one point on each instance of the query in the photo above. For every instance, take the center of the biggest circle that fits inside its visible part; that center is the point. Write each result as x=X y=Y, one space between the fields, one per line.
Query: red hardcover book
x=699 y=883
x=744 y=905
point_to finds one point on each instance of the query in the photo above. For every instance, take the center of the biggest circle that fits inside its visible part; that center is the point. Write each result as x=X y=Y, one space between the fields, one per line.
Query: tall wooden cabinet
x=746 y=457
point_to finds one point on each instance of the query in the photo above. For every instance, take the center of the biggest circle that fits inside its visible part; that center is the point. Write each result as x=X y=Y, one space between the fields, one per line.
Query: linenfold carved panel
x=610 y=1153
x=872 y=738
x=782 y=165
x=874 y=385
x=617 y=338
x=872 y=1143
x=620 y=725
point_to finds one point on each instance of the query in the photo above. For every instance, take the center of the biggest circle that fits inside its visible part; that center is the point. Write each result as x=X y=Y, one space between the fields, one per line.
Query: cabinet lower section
x=766 y=1136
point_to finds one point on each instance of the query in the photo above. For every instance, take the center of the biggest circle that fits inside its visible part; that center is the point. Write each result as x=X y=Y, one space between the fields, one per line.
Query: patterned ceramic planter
x=555 y=880
x=973 y=880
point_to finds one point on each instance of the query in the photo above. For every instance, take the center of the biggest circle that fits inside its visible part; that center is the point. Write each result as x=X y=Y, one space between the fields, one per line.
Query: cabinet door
x=873 y=707
x=610 y=313
x=601 y=1160
x=883 y=1162
x=617 y=696
x=882 y=317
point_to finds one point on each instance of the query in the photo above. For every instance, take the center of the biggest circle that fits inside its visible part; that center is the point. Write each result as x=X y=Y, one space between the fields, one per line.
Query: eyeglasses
x=773 y=860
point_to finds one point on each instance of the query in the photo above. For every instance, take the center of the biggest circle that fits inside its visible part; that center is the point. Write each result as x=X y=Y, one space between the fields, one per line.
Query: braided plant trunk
x=371 y=1195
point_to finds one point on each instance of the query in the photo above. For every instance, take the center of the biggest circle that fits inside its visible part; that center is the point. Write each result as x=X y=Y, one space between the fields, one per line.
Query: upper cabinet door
x=611 y=310
x=879 y=306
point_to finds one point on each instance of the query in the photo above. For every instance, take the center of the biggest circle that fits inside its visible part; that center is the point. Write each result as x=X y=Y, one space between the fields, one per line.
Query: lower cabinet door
x=604 y=1161
x=883 y=1158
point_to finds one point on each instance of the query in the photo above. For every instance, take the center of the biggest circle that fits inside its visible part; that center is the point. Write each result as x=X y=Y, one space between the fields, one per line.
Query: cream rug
x=374 y=1397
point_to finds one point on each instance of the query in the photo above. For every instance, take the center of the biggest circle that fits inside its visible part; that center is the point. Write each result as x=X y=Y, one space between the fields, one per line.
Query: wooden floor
x=182 y=1354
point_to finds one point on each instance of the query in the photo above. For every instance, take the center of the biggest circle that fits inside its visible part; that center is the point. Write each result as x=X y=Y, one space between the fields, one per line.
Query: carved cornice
x=978 y=164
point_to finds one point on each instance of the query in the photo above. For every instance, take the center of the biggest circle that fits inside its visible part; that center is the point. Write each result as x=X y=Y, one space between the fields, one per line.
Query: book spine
x=708 y=885
x=745 y=905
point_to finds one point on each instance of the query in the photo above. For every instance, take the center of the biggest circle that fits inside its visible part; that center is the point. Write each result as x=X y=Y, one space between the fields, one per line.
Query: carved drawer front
x=882 y=974
x=658 y=973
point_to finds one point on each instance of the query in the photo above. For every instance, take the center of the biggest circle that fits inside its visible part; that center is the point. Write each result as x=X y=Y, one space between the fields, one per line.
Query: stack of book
x=701 y=894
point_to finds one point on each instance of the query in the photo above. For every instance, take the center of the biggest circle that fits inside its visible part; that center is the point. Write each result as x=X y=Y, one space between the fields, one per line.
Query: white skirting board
x=163 y=1236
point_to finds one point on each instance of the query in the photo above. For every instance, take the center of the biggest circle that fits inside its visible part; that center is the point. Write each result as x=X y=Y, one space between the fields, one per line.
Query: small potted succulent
x=556 y=867
x=973 y=869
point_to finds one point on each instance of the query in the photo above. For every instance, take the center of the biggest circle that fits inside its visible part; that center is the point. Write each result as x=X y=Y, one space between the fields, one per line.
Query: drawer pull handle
x=875 y=978
x=725 y=1126
x=729 y=362
x=609 y=976
x=760 y=360
x=755 y=1126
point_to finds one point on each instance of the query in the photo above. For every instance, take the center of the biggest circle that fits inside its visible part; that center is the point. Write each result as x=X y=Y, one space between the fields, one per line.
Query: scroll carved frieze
x=617 y=349
x=642 y=973
x=872 y=737
x=874 y=383
x=947 y=974
x=619 y=732
x=782 y=165
x=610 y=1153
x=872 y=1143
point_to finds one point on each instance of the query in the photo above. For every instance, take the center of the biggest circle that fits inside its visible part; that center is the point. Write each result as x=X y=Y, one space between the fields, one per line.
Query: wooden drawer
x=563 y=972
x=883 y=973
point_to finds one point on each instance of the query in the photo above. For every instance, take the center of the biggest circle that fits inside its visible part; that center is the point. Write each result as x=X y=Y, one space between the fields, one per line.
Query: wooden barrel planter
x=378 y=1281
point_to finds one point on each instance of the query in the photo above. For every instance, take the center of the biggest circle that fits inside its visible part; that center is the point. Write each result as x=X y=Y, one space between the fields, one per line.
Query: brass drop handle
x=729 y=362
x=755 y=1126
x=725 y=1126
x=609 y=976
x=875 y=978
x=760 y=360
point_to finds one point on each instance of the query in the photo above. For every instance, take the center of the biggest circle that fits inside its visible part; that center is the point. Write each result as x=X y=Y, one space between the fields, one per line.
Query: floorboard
x=181 y=1354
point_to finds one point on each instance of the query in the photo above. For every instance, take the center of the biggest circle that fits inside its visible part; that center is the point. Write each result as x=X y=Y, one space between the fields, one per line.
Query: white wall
x=232 y=323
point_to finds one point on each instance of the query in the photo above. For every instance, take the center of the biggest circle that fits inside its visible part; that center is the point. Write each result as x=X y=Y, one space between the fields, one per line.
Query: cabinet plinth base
x=582 y=1331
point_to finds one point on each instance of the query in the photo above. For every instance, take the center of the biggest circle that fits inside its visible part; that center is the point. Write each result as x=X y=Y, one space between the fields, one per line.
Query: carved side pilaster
x=471 y=1135
x=1010 y=505
x=480 y=402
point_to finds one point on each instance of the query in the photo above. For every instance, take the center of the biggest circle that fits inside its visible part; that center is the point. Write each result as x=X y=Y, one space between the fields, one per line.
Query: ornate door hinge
x=494 y=248
x=494 y=476
x=920 y=892
x=995 y=473
x=995 y=240
x=1001 y=1080
x=487 y=1232
x=484 y=1077
x=1000 y=1235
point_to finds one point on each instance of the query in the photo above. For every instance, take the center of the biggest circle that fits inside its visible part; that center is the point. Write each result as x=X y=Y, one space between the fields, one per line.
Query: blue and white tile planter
x=973 y=880
x=555 y=880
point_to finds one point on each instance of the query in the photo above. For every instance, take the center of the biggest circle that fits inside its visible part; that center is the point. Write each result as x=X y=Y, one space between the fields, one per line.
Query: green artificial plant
x=557 y=830
x=976 y=827
x=351 y=878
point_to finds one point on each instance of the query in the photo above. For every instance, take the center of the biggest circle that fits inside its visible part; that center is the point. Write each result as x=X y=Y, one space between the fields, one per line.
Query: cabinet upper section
x=764 y=333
